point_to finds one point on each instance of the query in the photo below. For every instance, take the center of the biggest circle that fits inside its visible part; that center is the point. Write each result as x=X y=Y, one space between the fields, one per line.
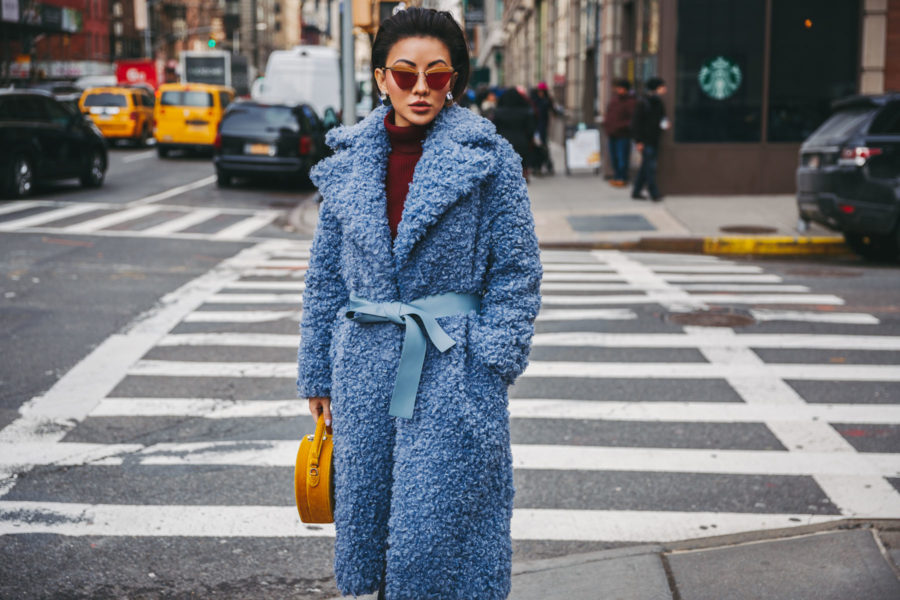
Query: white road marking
x=798 y=371
x=245 y=227
x=109 y=220
x=18 y=205
x=701 y=338
x=282 y=453
x=693 y=287
x=175 y=191
x=139 y=156
x=255 y=299
x=661 y=296
x=598 y=314
x=47 y=216
x=283 y=522
x=239 y=316
x=651 y=412
x=270 y=340
x=761 y=314
x=186 y=221
x=702 y=412
x=297 y=286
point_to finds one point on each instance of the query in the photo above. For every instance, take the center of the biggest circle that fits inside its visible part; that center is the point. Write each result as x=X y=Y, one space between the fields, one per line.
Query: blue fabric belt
x=414 y=316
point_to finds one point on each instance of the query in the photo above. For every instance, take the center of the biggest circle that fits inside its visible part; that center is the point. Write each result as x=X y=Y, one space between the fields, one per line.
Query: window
x=888 y=121
x=196 y=99
x=106 y=99
x=54 y=112
x=814 y=61
x=224 y=99
x=719 y=70
x=840 y=126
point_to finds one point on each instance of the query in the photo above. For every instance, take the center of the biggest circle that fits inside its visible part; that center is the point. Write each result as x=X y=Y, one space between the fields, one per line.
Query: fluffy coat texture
x=424 y=502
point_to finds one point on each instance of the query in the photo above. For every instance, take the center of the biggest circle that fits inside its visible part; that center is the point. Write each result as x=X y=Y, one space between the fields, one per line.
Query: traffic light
x=211 y=43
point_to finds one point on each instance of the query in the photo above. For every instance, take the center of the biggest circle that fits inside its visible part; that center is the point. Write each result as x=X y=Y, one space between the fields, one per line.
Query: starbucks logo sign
x=720 y=78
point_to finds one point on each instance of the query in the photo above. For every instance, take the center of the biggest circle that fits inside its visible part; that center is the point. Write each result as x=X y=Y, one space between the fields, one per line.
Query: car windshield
x=840 y=125
x=105 y=99
x=186 y=98
x=256 y=117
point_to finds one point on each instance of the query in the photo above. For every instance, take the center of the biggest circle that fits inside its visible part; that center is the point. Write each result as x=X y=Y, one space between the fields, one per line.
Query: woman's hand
x=321 y=405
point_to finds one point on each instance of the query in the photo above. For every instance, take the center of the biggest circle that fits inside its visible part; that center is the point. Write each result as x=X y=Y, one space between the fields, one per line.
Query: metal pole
x=347 y=68
x=148 y=49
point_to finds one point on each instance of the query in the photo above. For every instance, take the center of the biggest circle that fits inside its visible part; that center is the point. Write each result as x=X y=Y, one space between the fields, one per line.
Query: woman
x=423 y=472
x=514 y=118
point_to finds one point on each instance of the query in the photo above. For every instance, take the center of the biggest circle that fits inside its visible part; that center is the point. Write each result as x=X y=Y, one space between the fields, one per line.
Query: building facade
x=748 y=80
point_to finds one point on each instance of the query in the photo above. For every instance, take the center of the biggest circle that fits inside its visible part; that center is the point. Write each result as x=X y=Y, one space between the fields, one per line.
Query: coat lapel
x=456 y=158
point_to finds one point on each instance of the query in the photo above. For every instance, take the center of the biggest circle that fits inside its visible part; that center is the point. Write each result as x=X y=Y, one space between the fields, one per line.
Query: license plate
x=263 y=149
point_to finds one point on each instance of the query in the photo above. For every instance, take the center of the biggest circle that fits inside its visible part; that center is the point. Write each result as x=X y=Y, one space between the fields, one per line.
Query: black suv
x=849 y=174
x=256 y=139
x=40 y=139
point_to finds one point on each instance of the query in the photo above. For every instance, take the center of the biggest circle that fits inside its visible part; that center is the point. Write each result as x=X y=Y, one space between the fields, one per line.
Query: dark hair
x=655 y=83
x=424 y=22
x=512 y=98
x=622 y=83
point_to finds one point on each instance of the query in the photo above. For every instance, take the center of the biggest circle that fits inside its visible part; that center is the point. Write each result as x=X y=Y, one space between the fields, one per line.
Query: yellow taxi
x=121 y=113
x=188 y=115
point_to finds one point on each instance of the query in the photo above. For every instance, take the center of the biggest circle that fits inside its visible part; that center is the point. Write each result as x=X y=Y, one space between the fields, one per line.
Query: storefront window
x=813 y=62
x=719 y=70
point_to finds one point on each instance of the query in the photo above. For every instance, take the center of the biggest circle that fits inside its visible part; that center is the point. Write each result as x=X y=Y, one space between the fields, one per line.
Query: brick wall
x=892 y=49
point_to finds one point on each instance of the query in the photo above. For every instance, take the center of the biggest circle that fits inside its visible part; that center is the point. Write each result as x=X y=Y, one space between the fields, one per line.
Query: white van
x=308 y=74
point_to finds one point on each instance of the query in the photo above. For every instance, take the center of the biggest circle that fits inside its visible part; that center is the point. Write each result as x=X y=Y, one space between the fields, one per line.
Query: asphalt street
x=149 y=424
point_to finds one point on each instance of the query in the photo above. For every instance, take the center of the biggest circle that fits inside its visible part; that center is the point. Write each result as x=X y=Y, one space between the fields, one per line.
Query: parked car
x=121 y=113
x=67 y=94
x=188 y=115
x=849 y=174
x=42 y=140
x=263 y=139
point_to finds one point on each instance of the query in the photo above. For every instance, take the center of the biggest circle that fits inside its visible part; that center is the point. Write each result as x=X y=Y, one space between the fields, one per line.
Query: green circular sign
x=720 y=78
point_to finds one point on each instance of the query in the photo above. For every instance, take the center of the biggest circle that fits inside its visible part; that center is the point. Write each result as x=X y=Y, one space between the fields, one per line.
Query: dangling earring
x=449 y=100
x=384 y=99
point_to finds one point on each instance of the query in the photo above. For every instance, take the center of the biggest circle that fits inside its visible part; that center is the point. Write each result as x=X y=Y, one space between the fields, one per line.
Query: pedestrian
x=489 y=105
x=617 y=125
x=647 y=126
x=423 y=469
x=544 y=108
x=514 y=120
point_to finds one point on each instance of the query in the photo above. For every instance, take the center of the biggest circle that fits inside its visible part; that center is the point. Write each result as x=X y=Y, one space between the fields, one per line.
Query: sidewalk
x=841 y=560
x=583 y=211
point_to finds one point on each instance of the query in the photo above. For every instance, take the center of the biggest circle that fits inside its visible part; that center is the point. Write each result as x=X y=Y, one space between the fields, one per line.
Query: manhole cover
x=754 y=229
x=823 y=272
x=713 y=318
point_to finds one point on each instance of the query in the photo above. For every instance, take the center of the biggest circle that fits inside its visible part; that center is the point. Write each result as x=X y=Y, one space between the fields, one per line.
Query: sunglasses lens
x=404 y=79
x=437 y=81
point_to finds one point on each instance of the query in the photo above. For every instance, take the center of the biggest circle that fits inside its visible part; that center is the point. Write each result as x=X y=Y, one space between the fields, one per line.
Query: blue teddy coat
x=425 y=502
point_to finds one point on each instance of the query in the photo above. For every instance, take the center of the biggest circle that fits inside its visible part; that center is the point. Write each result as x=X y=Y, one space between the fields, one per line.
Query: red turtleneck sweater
x=406 y=149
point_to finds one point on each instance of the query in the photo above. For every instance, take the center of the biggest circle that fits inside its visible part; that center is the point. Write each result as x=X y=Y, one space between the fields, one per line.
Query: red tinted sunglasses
x=435 y=79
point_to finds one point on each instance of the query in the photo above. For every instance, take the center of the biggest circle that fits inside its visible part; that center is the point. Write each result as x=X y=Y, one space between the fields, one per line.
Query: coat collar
x=457 y=156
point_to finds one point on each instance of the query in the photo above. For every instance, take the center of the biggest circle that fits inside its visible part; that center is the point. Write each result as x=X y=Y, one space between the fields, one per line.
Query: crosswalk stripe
x=241 y=316
x=46 y=217
x=19 y=205
x=605 y=370
x=665 y=296
x=255 y=299
x=183 y=222
x=112 y=219
x=693 y=287
x=245 y=227
x=761 y=314
x=270 y=340
x=552 y=457
x=71 y=519
x=294 y=286
x=596 y=314
x=531 y=408
x=692 y=340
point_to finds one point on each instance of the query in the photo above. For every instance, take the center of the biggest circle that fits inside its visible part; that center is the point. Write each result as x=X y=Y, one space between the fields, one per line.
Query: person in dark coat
x=617 y=125
x=515 y=120
x=647 y=126
x=418 y=312
x=544 y=107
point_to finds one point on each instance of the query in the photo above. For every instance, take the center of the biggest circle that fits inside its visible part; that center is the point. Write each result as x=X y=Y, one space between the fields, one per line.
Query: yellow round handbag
x=313 y=482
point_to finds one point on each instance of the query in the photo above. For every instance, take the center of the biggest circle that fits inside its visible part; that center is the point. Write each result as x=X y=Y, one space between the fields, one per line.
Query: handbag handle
x=316 y=451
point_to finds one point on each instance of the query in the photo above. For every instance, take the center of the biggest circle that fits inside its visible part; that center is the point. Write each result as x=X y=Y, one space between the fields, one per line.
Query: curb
x=748 y=245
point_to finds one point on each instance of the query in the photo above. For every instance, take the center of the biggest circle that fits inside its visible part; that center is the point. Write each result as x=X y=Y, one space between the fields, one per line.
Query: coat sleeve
x=505 y=325
x=324 y=295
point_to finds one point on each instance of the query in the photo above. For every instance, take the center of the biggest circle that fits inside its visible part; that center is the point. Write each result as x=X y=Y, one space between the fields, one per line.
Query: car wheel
x=872 y=247
x=95 y=170
x=21 y=177
x=162 y=151
x=223 y=179
x=145 y=136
